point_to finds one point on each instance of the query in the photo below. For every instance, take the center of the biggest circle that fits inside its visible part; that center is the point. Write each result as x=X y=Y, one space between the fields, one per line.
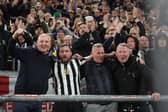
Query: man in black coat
x=4 y=37
x=87 y=38
x=98 y=80
x=131 y=78
x=34 y=71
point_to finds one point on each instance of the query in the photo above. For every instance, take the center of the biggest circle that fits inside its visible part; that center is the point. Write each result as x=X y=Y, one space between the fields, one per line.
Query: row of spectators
x=109 y=22
x=82 y=23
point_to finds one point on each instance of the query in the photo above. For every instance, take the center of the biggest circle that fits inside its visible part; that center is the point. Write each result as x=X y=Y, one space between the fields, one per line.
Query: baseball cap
x=89 y=18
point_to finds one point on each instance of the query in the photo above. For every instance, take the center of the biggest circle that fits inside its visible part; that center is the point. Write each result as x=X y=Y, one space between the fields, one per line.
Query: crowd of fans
x=83 y=23
x=108 y=22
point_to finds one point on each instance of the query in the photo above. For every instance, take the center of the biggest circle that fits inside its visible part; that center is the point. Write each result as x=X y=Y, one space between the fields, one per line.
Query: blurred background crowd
x=140 y=23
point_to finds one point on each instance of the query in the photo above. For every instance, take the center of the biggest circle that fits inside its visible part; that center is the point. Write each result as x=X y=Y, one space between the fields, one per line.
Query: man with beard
x=67 y=79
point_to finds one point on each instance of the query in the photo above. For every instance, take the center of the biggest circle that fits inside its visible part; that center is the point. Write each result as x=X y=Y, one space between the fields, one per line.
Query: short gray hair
x=125 y=45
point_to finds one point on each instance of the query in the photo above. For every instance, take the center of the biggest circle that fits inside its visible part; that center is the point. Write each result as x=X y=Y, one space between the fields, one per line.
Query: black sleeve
x=82 y=71
x=52 y=75
x=146 y=82
x=96 y=35
x=28 y=38
x=82 y=41
x=142 y=28
x=15 y=52
x=107 y=43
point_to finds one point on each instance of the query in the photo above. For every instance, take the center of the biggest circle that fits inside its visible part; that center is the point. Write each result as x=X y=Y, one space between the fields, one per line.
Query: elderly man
x=98 y=80
x=131 y=78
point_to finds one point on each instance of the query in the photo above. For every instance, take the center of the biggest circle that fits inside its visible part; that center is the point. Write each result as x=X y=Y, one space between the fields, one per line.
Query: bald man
x=35 y=69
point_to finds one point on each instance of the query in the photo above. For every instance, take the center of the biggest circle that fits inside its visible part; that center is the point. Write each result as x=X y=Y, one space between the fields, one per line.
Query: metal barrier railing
x=8 y=73
x=80 y=98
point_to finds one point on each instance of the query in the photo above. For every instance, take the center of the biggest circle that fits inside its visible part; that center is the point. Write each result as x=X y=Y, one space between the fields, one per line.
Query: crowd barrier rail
x=80 y=98
x=7 y=96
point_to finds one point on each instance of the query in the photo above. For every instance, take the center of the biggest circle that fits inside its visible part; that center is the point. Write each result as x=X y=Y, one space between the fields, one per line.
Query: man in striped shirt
x=67 y=79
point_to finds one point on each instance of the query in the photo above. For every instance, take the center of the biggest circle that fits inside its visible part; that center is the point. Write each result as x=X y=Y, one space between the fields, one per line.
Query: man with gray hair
x=98 y=80
x=131 y=78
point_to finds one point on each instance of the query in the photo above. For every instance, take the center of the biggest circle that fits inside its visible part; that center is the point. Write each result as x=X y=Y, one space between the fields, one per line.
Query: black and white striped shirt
x=67 y=77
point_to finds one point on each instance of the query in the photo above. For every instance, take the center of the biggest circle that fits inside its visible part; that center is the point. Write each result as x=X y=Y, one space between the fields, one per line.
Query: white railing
x=80 y=98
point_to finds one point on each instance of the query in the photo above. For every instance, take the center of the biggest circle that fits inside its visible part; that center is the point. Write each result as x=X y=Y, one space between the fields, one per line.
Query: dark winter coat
x=34 y=71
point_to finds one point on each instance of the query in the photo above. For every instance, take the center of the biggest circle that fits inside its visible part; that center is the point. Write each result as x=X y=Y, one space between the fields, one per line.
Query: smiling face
x=123 y=53
x=44 y=43
x=68 y=39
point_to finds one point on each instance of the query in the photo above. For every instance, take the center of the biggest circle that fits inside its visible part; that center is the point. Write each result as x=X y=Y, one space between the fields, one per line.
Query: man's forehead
x=82 y=25
x=64 y=48
x=98 y=49
x=67 y=37
x=143 y=39
x=122 y=48
x=44 y=37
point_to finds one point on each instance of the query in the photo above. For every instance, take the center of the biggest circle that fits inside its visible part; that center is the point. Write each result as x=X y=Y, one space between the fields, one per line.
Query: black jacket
x=131 y=78
x=4 y=37
x=98 y=78
x=34 y=71
x=84 y=44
